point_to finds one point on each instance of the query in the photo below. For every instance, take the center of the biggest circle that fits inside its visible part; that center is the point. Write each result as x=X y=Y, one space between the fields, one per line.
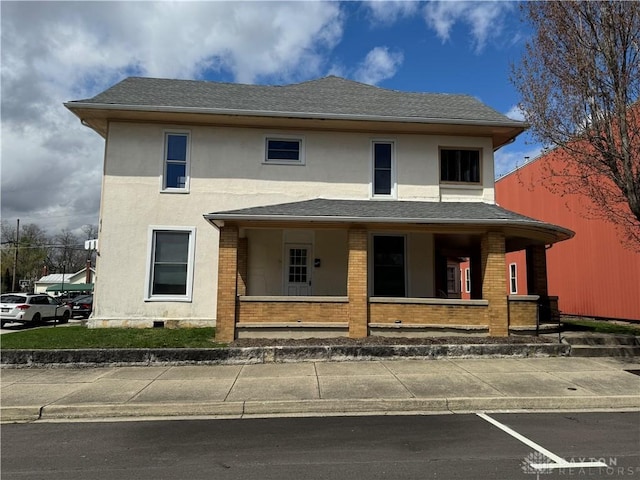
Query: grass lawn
x=83 y=337
x=600 y=326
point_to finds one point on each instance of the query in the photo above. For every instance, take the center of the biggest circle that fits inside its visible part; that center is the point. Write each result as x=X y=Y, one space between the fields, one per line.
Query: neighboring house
x=327 y=207
x=593 y=274
x=57 y=283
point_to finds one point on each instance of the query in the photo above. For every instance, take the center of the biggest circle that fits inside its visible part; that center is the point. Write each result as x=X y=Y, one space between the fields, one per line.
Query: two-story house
x=323 y=208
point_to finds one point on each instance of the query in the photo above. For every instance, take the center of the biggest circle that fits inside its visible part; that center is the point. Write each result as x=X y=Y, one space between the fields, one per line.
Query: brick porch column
x=357 y=283
x=494 y=285
x=227 y=283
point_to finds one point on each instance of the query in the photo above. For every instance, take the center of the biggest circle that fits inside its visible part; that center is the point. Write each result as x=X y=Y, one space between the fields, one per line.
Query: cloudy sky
x=53 y=52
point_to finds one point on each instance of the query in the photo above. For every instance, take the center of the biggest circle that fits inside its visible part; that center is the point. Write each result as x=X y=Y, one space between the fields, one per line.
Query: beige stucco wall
x=266 y=267
x=226 y=172
x=265 y=272
x=420 y=258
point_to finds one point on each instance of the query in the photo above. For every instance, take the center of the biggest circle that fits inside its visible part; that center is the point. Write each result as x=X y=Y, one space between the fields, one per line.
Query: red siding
x=593 y=274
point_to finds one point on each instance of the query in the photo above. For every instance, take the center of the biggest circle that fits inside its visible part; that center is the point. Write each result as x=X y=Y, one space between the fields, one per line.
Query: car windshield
x=13 y=299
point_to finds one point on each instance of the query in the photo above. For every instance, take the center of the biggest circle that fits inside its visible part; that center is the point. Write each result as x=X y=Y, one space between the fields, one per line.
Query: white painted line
x=565 y=464
x=558 y=462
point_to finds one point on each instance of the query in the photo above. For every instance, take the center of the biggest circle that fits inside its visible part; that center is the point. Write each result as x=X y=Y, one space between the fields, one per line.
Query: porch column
x=243 y=253
x=494 y=285
x=357 y=283
x=227 y=283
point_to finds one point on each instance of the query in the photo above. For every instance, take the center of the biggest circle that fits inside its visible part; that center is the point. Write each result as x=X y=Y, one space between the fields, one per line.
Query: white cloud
x=484 y=19
x=516 y=113
x=389 y=11
x=53 y=52
x=379 y=64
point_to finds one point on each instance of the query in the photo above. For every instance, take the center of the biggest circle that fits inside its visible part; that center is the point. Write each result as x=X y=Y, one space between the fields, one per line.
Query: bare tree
x=67 y=254
x=580 y=82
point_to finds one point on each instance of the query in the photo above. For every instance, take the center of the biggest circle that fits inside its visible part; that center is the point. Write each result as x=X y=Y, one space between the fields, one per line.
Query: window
x=513 y=278
x=389 y=266
x=467 y=280
x=452 y=279
x=460 y=166
x=170 y=264
x=285 y=151
x=298 y=265
x=176 y=162
x=383 y=169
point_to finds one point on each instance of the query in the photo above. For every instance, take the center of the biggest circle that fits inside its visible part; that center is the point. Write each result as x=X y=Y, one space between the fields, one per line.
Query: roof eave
x=559 y=232
x=73 y=106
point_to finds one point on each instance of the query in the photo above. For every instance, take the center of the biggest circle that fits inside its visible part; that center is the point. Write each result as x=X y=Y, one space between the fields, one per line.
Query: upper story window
x=170 y=270
x=460 y=165
x=284 y=151
x=383 y=169
x=176 y=162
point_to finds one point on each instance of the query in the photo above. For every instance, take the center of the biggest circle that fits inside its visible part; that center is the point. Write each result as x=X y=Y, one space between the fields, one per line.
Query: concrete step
x=620 y=351
x=599 y=339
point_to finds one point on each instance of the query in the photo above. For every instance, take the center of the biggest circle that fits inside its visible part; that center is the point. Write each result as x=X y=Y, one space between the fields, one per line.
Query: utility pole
x=15 y=258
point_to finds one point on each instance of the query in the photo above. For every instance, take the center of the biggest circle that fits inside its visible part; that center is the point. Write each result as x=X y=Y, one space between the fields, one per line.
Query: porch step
x=622 y=351
x=603 y=345
x=595 y=339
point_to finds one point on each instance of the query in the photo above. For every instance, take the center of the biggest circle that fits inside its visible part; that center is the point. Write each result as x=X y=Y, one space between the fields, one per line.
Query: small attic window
x=284 y=151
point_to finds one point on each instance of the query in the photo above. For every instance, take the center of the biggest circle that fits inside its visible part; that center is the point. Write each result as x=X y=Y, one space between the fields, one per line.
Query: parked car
x=81 y=306
x=31 y=308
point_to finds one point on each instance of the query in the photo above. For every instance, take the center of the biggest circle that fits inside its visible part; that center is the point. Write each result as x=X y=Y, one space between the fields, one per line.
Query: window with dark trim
x=459 y=165
x=389 y=266
x=284 y=150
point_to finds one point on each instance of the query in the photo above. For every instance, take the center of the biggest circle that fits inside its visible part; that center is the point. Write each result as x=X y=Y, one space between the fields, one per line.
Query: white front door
x=298 y=269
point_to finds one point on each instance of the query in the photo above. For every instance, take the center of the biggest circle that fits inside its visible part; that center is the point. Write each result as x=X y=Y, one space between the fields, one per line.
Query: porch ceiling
x=441 y=217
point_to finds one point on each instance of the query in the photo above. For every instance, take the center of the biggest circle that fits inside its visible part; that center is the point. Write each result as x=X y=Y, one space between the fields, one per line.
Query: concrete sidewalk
x=319 y=388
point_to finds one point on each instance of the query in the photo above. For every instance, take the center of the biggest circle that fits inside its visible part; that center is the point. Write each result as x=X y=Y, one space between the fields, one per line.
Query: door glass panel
x=298 y=265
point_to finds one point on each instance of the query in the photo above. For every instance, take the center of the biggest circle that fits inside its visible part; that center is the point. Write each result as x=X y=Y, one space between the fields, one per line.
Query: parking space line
x=558 y=462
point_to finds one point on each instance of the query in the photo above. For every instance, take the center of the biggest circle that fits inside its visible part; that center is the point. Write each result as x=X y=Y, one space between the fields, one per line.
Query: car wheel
x=36 y=318
x=65 y=317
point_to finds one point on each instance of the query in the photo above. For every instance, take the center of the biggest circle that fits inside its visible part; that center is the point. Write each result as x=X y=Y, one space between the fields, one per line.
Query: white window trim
x=513 y=278
x=394 y=185
x=148 y=297
x=290 y=138
x=187 y=172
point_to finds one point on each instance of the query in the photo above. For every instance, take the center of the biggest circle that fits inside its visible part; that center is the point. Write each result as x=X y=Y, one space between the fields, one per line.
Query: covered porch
x=353 y=268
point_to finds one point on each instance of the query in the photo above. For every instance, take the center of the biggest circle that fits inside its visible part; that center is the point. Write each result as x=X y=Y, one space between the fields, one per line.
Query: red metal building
x=593 y=274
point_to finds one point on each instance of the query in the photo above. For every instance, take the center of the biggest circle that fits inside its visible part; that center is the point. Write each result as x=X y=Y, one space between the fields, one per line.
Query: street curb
x=415 y=406
x=281 y=354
